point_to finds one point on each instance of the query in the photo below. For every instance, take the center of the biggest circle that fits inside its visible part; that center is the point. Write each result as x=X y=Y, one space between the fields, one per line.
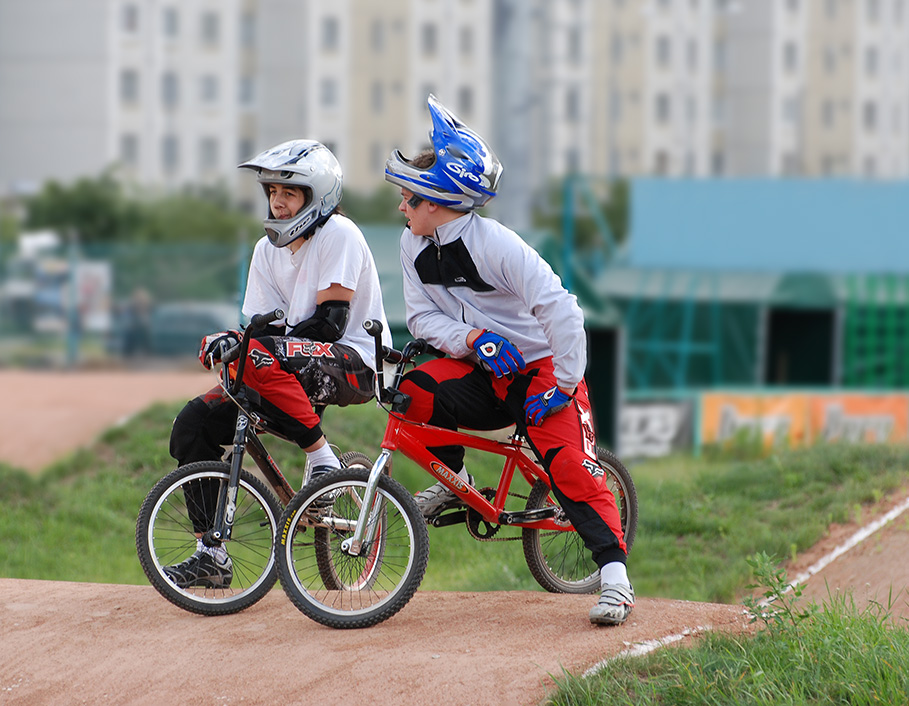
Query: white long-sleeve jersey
x=476 y=273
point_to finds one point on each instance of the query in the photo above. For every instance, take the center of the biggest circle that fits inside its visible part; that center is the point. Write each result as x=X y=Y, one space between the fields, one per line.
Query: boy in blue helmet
x=475 y=290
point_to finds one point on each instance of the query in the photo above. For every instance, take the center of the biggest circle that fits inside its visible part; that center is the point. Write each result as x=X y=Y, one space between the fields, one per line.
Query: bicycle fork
x=370 y=510
x=227 y=497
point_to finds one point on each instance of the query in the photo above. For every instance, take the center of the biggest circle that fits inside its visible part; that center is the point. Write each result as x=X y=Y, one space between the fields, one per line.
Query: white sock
x=464 y=475
x=323 y=457
x=219 y=553
x=614 y=572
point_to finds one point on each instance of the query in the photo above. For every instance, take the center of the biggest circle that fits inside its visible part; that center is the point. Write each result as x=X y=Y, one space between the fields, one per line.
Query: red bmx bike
x=353 y=547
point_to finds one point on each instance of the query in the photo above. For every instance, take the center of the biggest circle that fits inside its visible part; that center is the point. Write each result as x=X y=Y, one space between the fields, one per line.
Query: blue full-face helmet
x=465 y=173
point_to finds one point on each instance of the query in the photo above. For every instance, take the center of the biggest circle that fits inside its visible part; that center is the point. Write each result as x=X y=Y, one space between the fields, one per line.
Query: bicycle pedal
x=543 y=513
x=449 y=518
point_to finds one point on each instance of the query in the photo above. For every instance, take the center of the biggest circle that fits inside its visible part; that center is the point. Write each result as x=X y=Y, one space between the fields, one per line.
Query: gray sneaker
x=437 y=498
x=326 y=500
x=203 y=570
x=614 y=606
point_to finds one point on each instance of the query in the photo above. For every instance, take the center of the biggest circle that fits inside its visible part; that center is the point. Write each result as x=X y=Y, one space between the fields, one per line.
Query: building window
x=692 y=55
x=248 y=30
x=129 y=86
x=129 y=150
x=615 y=105
x=377 y=36
x=830 y=60
x=661 y=163
x=465 y=101
x=572 y=161
x=874 y=11
x=377 y=157
x=662 y=108
x=429 y=39
x=828 y=114
x=170 y=90
x=247 y=91
x=869 y=116
x=331 y=34
x=465 y=41
x=870 y=167
x=245 y=149
x=575 y=45
x=790 y=57
x=208 y=89
x=130 y=19
x=171 y=22
x=170 y=153
x=211 y=28
x=871 y=61
x=378 y=97
x=616 y=48
x=663 y=52
x=830 y=8
x=208 y=153
x=572 y=105
x=328 y=93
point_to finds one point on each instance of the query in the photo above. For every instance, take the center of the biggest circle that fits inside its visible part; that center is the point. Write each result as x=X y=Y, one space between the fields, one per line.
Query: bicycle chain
x=492 y=538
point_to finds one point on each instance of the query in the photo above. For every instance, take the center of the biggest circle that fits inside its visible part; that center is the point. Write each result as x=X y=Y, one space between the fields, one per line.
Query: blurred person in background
x=516 y=338
x=314 y=264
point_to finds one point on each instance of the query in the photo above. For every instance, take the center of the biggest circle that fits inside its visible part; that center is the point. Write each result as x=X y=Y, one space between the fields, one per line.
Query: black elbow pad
x=327 y=324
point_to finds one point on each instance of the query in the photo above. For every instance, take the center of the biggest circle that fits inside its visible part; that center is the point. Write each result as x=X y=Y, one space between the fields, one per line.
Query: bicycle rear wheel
x=165 y=536
x=334 y=587
x=558 y=559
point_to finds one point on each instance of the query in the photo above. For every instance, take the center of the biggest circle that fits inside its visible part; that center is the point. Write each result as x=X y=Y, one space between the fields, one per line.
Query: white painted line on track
x=638 y=649
x=860 y=536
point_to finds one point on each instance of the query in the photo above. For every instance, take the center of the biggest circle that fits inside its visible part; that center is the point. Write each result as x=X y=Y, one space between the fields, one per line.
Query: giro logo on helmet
x=459 y=171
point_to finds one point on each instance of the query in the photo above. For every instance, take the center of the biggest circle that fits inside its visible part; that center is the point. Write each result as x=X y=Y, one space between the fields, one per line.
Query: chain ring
x=474 y=520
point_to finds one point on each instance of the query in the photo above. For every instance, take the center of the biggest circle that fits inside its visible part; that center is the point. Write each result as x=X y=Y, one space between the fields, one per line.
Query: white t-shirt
x=336 y=254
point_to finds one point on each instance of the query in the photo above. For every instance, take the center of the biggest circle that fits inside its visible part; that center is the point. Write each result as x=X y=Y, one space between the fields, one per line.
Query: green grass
x=701 y=523
x=699 y=519
x=834 y=653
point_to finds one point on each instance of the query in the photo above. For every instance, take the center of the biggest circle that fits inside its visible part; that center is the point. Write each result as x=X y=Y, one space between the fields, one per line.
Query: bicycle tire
x=558 y=559
x=331 y=576
x=164 y=536
x=391 y=582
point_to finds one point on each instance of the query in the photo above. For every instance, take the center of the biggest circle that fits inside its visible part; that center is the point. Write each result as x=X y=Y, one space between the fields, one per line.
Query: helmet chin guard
x=465 y=172
x=306 y=164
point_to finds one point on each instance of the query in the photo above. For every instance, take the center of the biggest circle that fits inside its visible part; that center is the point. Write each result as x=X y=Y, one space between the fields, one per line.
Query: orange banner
x=860 y=418
x=779 y=419
x=804 y=418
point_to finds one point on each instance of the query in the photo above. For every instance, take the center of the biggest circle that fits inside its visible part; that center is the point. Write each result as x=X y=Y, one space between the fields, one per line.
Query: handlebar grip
x=373 y=327
x=392 y=355
x=231 y=354
x=262 y=320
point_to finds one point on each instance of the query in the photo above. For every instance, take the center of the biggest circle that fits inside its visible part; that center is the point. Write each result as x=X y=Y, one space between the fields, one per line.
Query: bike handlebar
x=256 y=323
x=399 y=358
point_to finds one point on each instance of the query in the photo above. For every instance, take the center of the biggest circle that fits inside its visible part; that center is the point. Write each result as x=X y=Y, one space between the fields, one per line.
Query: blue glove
x=210 y=348
x=538 y=407
x=499 y=353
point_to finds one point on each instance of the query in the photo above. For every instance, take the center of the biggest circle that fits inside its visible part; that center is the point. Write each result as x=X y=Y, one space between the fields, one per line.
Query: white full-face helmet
x=309 y=165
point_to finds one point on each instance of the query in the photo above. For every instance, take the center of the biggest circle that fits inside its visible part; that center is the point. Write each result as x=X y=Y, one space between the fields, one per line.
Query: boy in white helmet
x=315 y=265
x=476 y=291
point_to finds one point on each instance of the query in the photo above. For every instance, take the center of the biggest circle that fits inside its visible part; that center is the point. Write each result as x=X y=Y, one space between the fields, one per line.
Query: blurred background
x=722 y=183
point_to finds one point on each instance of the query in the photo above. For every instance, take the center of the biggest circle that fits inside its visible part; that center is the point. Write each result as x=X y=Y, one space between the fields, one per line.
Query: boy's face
x=419 y=218
x=285 y=201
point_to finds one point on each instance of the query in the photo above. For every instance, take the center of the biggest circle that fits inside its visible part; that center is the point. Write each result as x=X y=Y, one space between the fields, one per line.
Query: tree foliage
x=99 y=211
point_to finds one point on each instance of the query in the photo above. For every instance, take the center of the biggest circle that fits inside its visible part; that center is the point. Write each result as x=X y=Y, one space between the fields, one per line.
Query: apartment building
x=178 y=92
x=817 y=88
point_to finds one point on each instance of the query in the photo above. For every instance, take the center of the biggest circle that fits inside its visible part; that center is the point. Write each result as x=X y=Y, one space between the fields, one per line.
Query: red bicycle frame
x=412 y=438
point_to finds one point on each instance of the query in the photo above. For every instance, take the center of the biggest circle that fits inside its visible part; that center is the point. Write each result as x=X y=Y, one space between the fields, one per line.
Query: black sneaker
x=326 y=500
x=203 y=570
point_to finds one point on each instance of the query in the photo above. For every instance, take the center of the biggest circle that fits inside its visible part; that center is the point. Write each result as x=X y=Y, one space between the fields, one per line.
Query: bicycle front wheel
x=558 y=559
x=178 y=507
x=339 y=587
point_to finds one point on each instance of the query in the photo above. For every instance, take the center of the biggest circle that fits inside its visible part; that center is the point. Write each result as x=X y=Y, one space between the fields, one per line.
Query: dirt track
x=93 y=643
